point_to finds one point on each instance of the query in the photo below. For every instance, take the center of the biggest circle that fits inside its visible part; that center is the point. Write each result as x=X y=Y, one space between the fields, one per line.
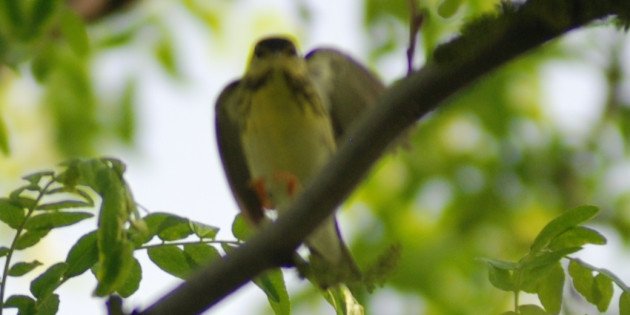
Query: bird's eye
x=258 y=53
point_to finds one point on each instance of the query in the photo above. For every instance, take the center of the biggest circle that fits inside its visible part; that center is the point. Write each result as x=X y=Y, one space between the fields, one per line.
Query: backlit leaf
x=132 y=282
x=22 y=268
x=171 y=259
x=501 y=278
x=201 y=254
x=561 y=224
x=82 y=256
x=65 y=204
x=577 y=237
x=24 y=304
x=603 y=288
x=272 y=283
x=550 y=289
x=48 y=305
x=203 y=231
x=11 y=214
x=48 y=281
x=51 y=220
x=582 y=280
x=624 y=303
x=30 y=238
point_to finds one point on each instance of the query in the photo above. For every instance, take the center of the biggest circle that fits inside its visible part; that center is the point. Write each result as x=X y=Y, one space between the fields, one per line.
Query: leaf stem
x=18 y=233
x=188 y=243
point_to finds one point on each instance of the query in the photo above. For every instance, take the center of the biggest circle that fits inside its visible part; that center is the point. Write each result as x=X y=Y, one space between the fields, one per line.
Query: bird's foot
x=260 y=189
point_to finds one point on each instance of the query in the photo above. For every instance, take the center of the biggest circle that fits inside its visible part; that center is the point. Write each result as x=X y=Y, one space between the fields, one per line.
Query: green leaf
x=34 y=178
x=82 y=256
x=41 y=11
x=624 y=303
x=51 y=220
x=530 y=309
x=448 y=8
x=65 y=204
x=24 y=304
x=43 y=63
x=165 y=54
x=138 y=232
x=132 y=282
x=21 y=201
x=4 y=138
x=582 y=280
x=30 y=238
x=240 y=228
x=73 y=30
x=4 y=251
x=114 y=267
x=126 y=122
x=550 y=289
x=115 y=250
x=48 y=281
x=200 y=254
x=13 y=12
x=171 y=259
x=203 y=231
x=577 y=237
x=501 y=278
x=11 y=214
x=272 y=283
x=561 y=224
x=603 y=291
x=535 y=260
x=48 y=305
x=21 y=268
x=228 y=248
x=168 y=227
x=531 y=278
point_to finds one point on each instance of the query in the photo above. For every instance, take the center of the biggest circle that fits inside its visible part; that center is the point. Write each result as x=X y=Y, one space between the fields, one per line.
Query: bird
x=280 y=123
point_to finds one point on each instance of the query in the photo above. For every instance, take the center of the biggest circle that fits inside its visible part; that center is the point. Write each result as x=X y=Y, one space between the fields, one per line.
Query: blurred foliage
x=487 y=171
x=481 y=178
x=52 y=40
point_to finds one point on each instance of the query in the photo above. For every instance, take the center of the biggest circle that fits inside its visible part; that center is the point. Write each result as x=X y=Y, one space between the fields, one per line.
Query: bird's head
x=274 y=53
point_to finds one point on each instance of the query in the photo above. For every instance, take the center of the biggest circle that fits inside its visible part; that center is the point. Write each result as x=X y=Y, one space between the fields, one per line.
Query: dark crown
x=274 y=45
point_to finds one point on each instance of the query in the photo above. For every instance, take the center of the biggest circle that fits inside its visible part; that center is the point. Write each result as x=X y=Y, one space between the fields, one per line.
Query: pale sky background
x=176 y=166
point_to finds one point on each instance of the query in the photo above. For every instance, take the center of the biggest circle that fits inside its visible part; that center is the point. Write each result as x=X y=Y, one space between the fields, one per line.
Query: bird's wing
x=347 y=87
x=229 y=141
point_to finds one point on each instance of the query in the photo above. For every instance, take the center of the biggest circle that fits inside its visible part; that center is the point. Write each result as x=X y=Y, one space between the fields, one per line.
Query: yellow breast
x=284 y=134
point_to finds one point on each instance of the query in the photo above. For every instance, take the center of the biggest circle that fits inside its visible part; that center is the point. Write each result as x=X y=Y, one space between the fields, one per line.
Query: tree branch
x=474 y=54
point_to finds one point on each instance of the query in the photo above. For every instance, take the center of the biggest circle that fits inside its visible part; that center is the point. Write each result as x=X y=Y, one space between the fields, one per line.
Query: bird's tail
x=330 y=260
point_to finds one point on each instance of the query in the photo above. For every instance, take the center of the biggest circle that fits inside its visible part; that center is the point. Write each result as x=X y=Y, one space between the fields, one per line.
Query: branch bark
x=474 y=54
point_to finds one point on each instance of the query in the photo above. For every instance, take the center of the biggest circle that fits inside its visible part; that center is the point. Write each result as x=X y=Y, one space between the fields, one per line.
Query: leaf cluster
x=540 y=271
x=51 y=200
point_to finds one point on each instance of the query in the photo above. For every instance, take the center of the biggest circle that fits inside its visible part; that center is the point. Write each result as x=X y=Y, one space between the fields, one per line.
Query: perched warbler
x=280 y=123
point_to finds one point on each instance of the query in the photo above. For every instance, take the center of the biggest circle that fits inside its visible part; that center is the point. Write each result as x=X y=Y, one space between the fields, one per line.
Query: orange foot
x=292 y=182
x=258 y=185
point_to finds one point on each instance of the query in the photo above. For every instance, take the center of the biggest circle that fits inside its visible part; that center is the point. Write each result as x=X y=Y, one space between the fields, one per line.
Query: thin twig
x=416 y=17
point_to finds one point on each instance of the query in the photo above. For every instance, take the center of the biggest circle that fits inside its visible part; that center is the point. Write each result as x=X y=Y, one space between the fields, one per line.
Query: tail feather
x=330 y=259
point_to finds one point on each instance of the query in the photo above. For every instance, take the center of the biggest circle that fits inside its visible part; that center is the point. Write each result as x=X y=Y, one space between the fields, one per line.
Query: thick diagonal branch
x=473 y=55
